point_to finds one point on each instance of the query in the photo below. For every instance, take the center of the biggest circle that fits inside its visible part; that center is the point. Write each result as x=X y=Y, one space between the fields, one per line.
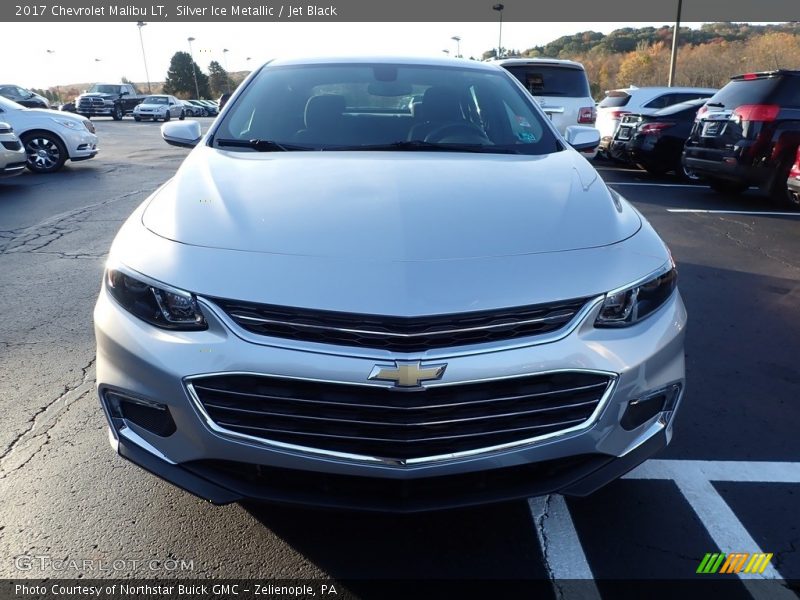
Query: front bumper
x=153 y=364
x=12 y=162
x=81 y=145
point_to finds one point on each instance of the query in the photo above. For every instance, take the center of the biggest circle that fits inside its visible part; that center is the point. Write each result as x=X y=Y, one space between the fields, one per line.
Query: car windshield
x=105 y=89
x=548 y=80
x=385 y=107
x=155 y=100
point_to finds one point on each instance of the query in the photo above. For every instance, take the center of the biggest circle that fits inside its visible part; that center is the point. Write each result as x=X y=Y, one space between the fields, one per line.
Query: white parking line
x=561 y=548
x=734 y=212
x=694 y=477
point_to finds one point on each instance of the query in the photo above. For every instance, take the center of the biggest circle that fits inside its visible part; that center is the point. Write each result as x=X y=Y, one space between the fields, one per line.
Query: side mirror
x=185 y=134
x=582 y=138
x=124 y=93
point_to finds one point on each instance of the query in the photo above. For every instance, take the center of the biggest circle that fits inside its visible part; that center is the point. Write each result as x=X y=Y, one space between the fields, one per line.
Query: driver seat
x=439 y=106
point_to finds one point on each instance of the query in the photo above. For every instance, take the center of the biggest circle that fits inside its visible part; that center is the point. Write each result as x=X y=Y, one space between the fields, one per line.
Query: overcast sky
x=75 y=46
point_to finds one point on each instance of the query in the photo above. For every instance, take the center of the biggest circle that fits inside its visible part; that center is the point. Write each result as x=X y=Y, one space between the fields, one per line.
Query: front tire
x=183 y=116
x=135 y=118
x=722 y=186
x=118 y=113
x=167 y=117
x=45 y=152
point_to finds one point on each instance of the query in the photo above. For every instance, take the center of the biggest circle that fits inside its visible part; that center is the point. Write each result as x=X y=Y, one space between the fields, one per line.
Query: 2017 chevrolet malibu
x=387 y=285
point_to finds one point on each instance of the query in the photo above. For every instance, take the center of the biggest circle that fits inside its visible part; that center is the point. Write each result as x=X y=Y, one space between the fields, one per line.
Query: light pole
x=227 y=76
x=58 y=91
x=499 y=8
x=674 y=55
x=457 y=40
x=194 y=71
x=141 y=24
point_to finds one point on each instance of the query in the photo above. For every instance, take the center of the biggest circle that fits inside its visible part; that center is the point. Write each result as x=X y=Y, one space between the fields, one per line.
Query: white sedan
x=50 y=137
x=159 y=107
x=12 y=156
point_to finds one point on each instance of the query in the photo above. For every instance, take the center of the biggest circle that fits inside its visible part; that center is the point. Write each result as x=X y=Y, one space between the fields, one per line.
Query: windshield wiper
x=260 y=145
x=720 y=104
x=420 y=145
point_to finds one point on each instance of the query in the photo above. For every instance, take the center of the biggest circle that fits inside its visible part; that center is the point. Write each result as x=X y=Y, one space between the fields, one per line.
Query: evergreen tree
x=219 y=79
x=181 y=82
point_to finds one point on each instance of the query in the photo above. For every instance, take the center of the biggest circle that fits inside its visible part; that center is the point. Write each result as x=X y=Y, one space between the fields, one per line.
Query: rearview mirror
x=582 y=138
x=185 y=134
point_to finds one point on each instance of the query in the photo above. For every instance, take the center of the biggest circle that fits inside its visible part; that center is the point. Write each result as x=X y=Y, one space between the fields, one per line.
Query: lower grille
x=399 y=426
x=401 y=334
x=275 y=484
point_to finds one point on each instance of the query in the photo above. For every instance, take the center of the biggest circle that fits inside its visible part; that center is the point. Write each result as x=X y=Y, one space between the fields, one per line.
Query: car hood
x=98 y=95
x=388 y=206
x=49 y=112
x=145 y=105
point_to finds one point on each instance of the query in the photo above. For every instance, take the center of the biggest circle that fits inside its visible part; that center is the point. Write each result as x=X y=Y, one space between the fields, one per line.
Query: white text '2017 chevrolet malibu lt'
x=387 y=285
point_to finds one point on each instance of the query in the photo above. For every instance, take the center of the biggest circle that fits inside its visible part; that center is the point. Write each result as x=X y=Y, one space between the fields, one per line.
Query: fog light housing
x=641 y=410
x=150 y=416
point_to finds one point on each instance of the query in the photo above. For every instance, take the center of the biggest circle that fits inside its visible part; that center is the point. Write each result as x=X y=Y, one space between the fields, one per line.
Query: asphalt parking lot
x=729 y=482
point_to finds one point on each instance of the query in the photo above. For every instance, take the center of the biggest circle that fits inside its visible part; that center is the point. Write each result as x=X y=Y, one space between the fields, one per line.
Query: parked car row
x=745 y=135
x=639 y=101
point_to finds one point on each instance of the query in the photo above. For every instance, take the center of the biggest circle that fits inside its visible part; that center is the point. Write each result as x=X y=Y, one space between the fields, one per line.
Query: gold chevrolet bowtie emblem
x=407 y=374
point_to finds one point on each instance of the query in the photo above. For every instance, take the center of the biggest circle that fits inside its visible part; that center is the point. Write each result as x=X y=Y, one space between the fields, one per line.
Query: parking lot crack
x=540 y=516
x=36 y=237
x=23 y=446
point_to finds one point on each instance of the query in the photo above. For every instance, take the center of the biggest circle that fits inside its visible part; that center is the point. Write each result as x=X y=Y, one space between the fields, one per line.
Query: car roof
x=659 y=89
x=555 y=62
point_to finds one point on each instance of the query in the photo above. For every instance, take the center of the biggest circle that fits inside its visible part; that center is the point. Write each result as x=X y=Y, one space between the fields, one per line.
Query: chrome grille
x=394 y=425
x=91 y=102
x=401 y=334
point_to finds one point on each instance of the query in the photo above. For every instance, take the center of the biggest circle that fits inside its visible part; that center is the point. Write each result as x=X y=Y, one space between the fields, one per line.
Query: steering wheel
x=455 y=128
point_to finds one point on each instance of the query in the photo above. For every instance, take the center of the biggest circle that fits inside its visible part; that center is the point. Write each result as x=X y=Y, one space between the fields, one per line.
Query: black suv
x=747 y=134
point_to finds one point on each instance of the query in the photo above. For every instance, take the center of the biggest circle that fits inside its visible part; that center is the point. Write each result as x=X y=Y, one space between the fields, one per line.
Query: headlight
x=69 y=124
x=158 y=304
x=89 y=126
x=632 y=304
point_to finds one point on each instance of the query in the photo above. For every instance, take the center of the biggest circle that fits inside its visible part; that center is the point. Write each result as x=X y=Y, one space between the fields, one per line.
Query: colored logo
x=735 y=562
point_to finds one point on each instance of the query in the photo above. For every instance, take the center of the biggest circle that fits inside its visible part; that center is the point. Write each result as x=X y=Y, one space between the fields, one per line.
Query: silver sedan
x=162 y=107
x=387 y=285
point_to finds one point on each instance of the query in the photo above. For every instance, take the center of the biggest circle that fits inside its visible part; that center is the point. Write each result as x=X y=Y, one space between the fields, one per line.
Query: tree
x=180 y=81
x=219 y=79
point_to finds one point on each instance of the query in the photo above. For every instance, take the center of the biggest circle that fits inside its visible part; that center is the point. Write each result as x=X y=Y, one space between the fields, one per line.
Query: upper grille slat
x=401 y=334
x=377 y=421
